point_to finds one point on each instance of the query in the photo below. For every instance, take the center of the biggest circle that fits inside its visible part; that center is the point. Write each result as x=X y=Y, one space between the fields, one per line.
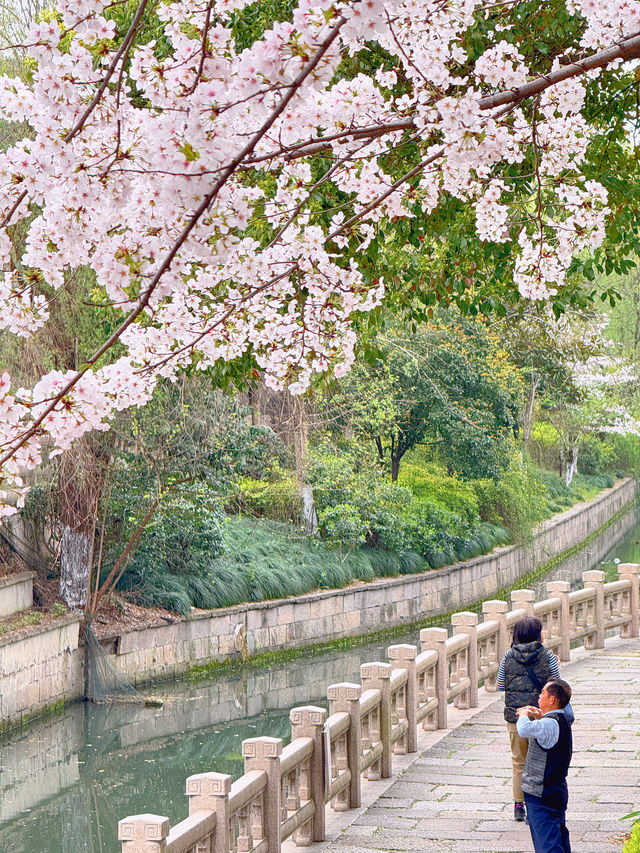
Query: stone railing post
x=210 y=792
x=595 y=580
x=561 y=590
x=435 y=639
x=495 y=610
x=523 y=599
x=629 y=571
x=403 y=656
x=466 y=622
x=346 y=697
x=263 y=753
x=309 y=721
x=377 y=676
x=143 y=833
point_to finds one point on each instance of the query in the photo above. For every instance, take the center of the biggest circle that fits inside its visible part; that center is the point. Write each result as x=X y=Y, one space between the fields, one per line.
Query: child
x=524 y=670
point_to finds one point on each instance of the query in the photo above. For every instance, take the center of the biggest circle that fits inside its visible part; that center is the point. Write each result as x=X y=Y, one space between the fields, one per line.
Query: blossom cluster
x=155 y=167
x=606 y=21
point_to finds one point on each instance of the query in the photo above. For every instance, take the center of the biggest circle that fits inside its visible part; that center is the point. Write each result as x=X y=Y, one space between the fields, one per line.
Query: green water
x=626 y=551
x=65 y=782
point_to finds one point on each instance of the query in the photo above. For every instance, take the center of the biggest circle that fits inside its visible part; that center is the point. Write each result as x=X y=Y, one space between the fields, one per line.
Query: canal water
x=66 y=781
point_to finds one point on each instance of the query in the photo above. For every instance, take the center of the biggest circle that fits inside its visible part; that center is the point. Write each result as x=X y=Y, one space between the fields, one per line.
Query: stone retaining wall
x=16 y=593
x=40 y=669
x=324 y=616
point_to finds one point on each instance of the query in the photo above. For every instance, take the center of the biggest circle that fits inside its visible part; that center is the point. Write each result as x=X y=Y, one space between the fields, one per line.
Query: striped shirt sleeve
x=554 y=669
x=500 y=676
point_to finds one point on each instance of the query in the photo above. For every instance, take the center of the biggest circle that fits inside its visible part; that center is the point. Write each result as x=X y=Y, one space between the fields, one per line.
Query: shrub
x=278 y=500
x=344 y=524
x=633 y=844
x=625 y=451
x=175 y=551
x=333 y=479
x=516 y=501
x=544 y=446
x=357 y=506
x=449 y=492
x=595 y=456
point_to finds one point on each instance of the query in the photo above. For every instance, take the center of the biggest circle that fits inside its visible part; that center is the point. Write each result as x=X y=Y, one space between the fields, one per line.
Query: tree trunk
x=572 y=466
x=395 y=467
x=75 y=567
x=309 y=514
x=527 y=416
x=79 y=488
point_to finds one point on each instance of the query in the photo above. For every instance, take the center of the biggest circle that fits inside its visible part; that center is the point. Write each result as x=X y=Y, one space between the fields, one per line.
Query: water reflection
x=65 y=782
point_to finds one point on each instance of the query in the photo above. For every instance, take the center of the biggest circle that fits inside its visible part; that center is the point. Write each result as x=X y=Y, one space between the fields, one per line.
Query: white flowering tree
x=228 y=193
x=585 y=387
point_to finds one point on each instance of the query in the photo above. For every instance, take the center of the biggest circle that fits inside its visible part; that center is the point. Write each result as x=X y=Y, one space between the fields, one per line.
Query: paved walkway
x=456 y=795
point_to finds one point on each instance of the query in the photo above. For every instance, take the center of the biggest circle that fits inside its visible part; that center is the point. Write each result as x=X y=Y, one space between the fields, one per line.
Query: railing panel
x=427 y=699
x=399 y=711
x=549 y=612
x=617 y=604
x=459 y=681
x=370 y=734
x=338 y=761
x=488 y=653
x=193 y=835
x=295 y=788
x=582 y=613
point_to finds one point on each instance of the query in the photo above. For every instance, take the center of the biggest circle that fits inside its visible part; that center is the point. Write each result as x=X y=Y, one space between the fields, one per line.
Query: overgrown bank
x=427 y=521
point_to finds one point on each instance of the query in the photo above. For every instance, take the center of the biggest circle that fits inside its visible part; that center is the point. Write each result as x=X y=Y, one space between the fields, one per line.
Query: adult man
x=544 y=779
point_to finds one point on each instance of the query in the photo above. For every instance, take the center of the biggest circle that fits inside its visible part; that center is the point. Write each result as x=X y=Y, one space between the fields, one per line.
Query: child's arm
x=500 y=677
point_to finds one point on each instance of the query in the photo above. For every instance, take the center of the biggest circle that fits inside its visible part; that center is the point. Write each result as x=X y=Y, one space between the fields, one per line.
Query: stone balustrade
x=284 y=791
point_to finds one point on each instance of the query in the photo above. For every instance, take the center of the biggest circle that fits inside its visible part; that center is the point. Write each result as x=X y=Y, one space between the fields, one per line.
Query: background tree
x=448 y=385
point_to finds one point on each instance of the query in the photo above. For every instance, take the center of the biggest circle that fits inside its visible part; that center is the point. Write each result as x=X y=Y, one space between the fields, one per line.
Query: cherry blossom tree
x=226 y=195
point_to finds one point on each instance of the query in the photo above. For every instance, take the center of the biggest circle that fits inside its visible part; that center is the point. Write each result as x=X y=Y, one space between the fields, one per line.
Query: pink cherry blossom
x=155 y=168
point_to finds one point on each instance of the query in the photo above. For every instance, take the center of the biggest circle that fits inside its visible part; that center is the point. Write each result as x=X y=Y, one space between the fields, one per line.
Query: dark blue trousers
x=548 y=830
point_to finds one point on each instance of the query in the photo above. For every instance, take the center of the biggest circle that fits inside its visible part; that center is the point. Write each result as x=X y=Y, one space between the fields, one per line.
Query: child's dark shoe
x=519 y=812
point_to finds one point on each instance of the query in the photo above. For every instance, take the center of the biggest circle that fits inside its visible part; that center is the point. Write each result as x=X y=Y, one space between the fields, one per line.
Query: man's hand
x=530 y=711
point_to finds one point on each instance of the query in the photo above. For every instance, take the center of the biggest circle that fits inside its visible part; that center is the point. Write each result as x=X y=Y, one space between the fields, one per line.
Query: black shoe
x=519 y=812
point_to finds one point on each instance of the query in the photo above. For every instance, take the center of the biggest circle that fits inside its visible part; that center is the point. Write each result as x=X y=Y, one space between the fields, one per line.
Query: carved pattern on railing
x=283 y=792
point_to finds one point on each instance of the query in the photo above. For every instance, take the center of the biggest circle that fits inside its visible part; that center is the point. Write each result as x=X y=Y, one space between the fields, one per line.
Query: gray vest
x=545 y=770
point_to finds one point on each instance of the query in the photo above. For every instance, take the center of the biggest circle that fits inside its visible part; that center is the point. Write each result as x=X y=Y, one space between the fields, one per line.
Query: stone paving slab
x=456 y=794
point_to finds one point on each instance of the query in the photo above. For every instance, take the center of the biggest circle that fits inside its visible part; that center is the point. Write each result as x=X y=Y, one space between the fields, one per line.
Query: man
x=544 y=779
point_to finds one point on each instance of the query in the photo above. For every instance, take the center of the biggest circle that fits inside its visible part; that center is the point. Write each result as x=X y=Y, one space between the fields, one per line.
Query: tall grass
x=266 y=559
